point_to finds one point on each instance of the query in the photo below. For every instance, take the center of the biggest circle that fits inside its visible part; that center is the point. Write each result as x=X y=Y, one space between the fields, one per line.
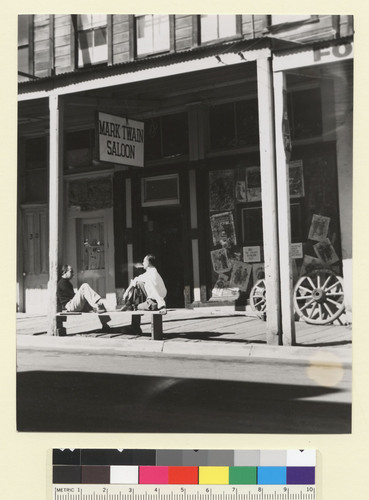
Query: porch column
x=55 y=202
x=269 y=198
x=283 y=199
x=194 y=238
x=129 y=226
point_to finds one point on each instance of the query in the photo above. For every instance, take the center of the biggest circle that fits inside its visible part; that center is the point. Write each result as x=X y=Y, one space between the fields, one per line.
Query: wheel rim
x=319 y=297
x=258 y=299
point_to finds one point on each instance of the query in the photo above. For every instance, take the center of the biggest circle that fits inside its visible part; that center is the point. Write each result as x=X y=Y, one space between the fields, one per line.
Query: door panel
x=35 y=259
x=91 y=255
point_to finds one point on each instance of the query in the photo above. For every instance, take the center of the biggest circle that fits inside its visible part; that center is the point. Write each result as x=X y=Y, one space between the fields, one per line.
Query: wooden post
x=269 y=199
x=282 y=156
x=55 y=205
x=195 y=241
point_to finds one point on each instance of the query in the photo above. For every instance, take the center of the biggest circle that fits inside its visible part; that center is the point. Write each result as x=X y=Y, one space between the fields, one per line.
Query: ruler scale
x=184 y=475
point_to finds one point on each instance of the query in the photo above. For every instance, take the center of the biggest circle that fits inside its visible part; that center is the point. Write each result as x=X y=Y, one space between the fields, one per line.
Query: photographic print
x=223 y=230
x=253 y=184
x=140 y=220
x=240 y=275
x=319 y=228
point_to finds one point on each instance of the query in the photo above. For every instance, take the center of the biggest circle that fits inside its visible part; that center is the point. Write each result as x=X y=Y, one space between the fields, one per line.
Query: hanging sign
x=121 y=140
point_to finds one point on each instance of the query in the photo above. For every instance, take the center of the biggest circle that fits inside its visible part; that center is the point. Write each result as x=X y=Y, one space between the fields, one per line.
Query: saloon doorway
x=162 y=236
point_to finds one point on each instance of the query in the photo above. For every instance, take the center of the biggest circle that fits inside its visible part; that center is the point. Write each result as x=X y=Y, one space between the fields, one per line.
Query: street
x=134 y=392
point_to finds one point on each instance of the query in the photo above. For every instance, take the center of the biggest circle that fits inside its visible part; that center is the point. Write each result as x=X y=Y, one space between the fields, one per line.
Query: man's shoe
x=100 y=308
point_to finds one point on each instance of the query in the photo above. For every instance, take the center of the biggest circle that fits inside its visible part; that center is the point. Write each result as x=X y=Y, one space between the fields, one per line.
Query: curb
x=184 y=348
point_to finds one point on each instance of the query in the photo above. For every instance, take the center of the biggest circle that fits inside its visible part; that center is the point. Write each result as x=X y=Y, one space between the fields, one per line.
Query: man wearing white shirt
x=152 y=286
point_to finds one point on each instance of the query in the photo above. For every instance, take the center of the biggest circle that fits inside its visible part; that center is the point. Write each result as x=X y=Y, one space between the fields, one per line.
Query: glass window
x=36 y=174
x=166 y=136
x=213 y=27
x=234 y=125
x=305 y=110
x=24 y=33
x=161 y=190
x=78 y=149
x=279 y=19
x=152 y=34
x=92 y=39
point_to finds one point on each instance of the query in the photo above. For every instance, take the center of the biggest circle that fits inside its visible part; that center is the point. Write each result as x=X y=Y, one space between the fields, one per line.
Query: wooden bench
x=156 y=318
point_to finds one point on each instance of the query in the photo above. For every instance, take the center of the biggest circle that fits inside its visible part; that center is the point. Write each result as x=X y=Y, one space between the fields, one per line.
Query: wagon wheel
x=318 y=297
x=258 y=299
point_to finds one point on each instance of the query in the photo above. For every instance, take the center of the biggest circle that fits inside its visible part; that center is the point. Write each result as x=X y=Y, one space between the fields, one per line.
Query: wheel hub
x=318 y=295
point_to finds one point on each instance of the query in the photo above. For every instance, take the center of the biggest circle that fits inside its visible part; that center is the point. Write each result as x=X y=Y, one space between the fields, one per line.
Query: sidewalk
x=200 y=332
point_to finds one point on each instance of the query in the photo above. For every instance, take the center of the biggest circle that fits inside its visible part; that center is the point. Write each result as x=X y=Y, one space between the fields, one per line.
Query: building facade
x=176 y=135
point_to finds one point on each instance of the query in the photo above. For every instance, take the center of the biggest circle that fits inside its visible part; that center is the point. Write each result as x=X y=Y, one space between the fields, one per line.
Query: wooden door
x=91 y=254
x=35 y=259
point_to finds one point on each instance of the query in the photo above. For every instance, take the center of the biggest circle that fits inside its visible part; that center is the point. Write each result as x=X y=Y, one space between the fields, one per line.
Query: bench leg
x=61 y=331
x=136 y=323
x=105 y=328
x=156 y=327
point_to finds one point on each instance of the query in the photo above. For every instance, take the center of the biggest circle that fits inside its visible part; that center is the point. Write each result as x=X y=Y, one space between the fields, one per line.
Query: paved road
x=127 y=392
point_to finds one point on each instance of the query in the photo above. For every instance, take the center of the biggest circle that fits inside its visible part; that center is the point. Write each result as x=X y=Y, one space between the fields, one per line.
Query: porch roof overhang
x=155 y=67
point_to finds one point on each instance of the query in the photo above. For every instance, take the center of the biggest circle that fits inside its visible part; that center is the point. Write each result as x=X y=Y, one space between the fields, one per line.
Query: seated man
x=147 y=291
x=86 y=299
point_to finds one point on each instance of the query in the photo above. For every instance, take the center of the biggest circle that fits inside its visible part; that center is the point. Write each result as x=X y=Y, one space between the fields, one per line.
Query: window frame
x=171 y=22
x=30 y=74
x=79 y=63
x=163 y=201
x=273 y=28
x=237 y=35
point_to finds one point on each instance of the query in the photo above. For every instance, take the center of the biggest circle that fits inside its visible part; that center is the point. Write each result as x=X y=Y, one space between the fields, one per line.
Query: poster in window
x=326 y=253
x=221 y=190
x=223 y=290
x=253 y=184
x=240 y=275
x=309 y=264
x=296 y=251
x=251 y=254
x=296 y=179
x=258 y=272
x=223 y=230
x=319 y=227
x=220 y=261
x=241 y=191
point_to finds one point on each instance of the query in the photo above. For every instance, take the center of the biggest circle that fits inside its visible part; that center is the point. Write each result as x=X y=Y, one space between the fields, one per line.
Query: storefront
x=207 y=197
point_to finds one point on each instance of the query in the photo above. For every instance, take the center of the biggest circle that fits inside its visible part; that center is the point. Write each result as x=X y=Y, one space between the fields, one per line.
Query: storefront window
x=92 y=39
x=305 y=111
x=78 y=149
x=214 y=27
x=152 y=34
x=166 y=136
x=36 y=177
x=234 y=125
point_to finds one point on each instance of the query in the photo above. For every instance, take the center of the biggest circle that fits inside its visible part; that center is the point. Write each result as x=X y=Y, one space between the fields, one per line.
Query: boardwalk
x=217 y=325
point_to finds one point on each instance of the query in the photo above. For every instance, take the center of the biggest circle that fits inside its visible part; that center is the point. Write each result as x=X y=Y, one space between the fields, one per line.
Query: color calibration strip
x=184 y=467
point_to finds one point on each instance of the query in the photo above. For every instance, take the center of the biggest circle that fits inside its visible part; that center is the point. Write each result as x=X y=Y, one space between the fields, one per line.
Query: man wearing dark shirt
x=85 y=295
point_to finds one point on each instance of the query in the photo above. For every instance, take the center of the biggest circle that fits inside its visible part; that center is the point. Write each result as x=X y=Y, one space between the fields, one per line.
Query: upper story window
x=215 y=27
x=92 y=39
x=166 y=136
x=24 y=47
x=234 y=125
x=152 y=34
x=280 y=19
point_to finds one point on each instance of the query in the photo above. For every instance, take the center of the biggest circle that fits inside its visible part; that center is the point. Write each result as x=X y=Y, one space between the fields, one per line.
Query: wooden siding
x=42 y=61
x=121 y=39
x=64 y=44
x=183 y=32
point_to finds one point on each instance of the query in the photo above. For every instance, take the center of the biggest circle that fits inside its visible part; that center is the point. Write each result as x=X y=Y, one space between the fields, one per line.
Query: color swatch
x=177 y=467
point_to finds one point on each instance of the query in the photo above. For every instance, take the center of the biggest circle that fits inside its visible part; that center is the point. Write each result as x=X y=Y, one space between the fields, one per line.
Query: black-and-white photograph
x=132 y=133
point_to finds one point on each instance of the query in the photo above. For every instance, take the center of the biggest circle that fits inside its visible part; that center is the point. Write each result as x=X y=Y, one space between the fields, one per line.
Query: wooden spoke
x=304 y=297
